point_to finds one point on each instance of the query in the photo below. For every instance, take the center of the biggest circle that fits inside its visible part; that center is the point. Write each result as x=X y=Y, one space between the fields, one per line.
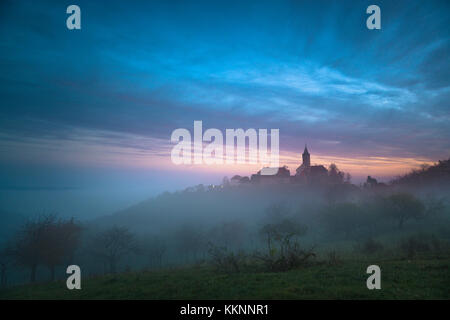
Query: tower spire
x=306 y=157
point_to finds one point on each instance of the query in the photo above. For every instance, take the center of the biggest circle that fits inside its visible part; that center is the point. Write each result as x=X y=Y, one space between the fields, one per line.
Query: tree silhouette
x=6 y=260
x=112 y=245
x=155 y=250
x=60 y=241
x=403 y=207
x=335 y=175
x=47 y=241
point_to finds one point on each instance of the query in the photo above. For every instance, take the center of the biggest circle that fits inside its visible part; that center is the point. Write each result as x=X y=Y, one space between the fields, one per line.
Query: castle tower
x=306 y=158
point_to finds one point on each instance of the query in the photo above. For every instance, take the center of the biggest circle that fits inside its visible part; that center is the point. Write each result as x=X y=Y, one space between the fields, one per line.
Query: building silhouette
x=304 y=174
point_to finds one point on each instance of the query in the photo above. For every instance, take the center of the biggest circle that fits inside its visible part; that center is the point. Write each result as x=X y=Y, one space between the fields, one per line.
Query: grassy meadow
x=400 y=279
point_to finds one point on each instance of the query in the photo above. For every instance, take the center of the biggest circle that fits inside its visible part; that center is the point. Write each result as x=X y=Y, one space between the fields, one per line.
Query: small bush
x=283 y=250
x=291 y=257
x=226 y=261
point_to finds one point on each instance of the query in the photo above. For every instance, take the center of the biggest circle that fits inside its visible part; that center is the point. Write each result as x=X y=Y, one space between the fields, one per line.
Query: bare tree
x=156 y=250
x=112 y=245
x=279 y=235
x=283 y=249
x=29 y=243
x=403 y=207
x=60 y=242
x=6 y=260
x=189 y=240
x=45 y=241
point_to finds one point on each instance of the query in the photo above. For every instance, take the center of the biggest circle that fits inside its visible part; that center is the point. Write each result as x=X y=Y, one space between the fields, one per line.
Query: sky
x=86 y=115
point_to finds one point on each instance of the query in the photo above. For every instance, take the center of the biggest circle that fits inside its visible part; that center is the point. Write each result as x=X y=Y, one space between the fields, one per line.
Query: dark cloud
x=311 y=69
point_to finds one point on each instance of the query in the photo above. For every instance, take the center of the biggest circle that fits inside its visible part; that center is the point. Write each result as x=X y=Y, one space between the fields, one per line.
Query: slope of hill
x=202 y=207
x=401 y=279
x=435 y=175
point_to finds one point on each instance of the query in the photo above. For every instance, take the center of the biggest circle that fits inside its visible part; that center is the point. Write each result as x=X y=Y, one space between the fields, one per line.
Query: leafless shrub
x=113 y=244
x=291 y=257
x=226 y=261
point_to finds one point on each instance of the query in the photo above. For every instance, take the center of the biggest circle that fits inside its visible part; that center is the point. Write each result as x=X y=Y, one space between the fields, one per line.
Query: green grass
x=400 y=279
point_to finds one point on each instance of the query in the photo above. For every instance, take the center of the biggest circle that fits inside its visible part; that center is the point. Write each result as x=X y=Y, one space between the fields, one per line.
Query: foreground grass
x=400 y=279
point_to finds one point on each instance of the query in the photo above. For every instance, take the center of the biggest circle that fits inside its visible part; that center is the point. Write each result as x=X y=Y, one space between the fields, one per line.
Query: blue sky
x=107 y=97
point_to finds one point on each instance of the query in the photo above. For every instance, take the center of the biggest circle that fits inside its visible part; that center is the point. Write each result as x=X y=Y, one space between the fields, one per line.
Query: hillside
x=437 y=174
x=246 y=204
x=401 y=279
x=201 y=204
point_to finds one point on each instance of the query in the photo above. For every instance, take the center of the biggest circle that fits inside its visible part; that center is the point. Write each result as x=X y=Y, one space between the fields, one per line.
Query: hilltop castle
x=308 y=173
x=305 y=173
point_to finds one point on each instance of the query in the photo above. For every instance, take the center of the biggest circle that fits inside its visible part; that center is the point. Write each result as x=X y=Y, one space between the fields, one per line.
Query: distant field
x=400 y=279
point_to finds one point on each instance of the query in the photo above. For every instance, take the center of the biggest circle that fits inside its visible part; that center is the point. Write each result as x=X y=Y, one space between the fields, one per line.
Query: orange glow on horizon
x=358 y=167
x=158 y=158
